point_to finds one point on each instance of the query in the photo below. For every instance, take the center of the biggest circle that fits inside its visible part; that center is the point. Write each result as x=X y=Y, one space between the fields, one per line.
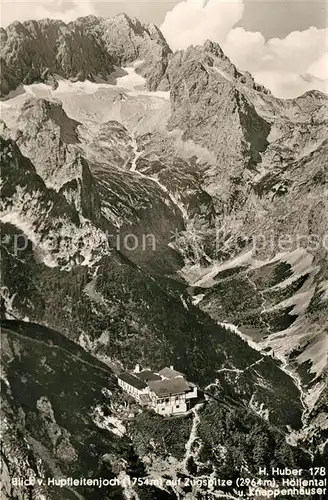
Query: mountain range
x=157 y=208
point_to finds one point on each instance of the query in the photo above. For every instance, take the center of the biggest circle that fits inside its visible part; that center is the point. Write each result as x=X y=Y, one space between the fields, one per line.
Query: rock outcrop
x=51 y=221
x=49 y=139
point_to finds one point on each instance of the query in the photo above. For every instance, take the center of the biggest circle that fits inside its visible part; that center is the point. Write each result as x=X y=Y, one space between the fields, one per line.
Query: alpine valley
x=164 y=209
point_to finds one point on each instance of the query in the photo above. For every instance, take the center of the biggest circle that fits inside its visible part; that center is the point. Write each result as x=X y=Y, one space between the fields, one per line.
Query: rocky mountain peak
x=214 y=48
x=312 y=102
x=211 y=54
x=85 y=48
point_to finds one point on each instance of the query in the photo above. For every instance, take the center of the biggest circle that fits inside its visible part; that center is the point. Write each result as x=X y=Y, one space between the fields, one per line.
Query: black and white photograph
x=164 y=249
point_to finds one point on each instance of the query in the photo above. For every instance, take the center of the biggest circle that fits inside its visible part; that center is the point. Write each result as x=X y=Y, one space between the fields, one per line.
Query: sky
x=283 y=43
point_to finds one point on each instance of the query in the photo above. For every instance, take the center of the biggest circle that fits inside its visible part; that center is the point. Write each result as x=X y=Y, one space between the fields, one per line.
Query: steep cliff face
x=37 y=51
x=49 y=138
x=8 y=79
x=46 y=217
x=210 y=107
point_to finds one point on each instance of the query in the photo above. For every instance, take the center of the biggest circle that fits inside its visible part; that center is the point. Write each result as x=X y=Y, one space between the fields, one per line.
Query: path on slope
x=192 y=437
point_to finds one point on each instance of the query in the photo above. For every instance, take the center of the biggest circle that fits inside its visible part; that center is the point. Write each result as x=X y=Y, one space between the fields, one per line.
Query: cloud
x=22 y=10
x=319 y=68
x=68 y=11
x=288 y=66
x=193 y=21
